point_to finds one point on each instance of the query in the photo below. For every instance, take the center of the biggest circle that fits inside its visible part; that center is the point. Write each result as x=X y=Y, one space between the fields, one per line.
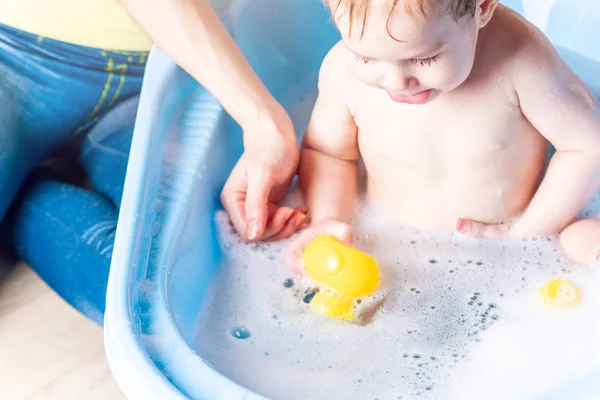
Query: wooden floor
x=47 y=350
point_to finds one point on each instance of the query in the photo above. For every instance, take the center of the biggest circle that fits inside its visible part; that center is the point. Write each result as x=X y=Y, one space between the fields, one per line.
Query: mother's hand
x=261 y=178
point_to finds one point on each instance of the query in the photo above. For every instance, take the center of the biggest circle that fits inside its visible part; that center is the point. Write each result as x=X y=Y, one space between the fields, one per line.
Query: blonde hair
x=359 y=9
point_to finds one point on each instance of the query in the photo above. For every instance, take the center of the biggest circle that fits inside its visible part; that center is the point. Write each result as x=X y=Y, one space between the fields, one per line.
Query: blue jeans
x=56 y=97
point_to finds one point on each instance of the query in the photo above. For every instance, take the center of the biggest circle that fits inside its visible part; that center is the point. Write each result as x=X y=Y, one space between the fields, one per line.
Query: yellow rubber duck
x=559 y=293
x=345 y=273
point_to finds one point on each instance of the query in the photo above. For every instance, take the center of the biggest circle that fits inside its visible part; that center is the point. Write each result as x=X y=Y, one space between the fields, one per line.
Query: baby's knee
x=581 y=241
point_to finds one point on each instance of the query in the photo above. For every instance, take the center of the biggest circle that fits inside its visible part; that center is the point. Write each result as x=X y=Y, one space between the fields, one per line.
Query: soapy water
x=459 y=320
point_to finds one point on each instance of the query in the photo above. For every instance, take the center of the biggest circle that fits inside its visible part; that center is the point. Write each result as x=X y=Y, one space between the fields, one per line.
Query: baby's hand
x=329 y=226
x=283 y=222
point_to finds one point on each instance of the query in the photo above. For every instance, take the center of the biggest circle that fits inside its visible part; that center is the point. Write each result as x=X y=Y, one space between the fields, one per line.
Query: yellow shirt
x=103 y=24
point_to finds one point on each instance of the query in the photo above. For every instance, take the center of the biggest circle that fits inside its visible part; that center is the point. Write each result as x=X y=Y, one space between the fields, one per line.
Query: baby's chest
x=459 y=133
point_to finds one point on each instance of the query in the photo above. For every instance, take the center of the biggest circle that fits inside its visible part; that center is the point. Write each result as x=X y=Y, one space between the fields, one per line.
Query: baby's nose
x=399 y=81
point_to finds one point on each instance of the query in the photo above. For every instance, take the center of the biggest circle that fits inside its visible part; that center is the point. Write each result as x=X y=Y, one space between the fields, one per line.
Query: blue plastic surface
x=183 y=149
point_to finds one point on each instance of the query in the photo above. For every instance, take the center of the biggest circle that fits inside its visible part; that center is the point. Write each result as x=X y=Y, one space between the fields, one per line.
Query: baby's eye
x=425 y=61
x=364 y=60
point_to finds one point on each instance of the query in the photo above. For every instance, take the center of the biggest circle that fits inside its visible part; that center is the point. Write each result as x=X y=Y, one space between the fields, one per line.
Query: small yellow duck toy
x=559 y=293
x=345 y=273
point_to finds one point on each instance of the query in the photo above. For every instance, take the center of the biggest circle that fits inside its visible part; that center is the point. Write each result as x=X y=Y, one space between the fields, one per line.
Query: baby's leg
x=581 y=241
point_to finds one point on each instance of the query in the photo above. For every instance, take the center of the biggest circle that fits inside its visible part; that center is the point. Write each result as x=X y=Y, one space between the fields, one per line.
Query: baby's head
x=413 y=49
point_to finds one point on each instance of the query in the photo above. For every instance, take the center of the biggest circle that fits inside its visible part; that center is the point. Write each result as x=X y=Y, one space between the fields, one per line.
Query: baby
x=453 y=106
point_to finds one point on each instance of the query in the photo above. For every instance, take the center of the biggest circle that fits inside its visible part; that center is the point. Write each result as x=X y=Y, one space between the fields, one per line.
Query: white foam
x=459 y=321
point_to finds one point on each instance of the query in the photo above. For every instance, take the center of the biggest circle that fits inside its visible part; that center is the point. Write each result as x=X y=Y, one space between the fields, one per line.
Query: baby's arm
x=564 y=111
x=329 y=156
x=329 y=159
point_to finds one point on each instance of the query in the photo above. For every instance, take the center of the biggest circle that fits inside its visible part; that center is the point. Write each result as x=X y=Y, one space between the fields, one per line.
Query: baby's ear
x=484 y=11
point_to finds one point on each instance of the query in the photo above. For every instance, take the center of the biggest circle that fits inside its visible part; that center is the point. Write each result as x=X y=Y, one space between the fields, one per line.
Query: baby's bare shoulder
x=515 y=44
x=335 y=75
x=338 y=85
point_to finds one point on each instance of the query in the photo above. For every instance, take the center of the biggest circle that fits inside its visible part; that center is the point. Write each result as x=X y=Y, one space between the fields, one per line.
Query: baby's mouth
x=417 y=98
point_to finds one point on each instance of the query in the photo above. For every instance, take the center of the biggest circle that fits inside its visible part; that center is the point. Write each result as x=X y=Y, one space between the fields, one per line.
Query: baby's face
x=412 y=57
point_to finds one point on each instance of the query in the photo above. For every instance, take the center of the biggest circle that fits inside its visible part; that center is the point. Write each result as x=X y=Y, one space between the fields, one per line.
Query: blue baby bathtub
x=184 y=146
